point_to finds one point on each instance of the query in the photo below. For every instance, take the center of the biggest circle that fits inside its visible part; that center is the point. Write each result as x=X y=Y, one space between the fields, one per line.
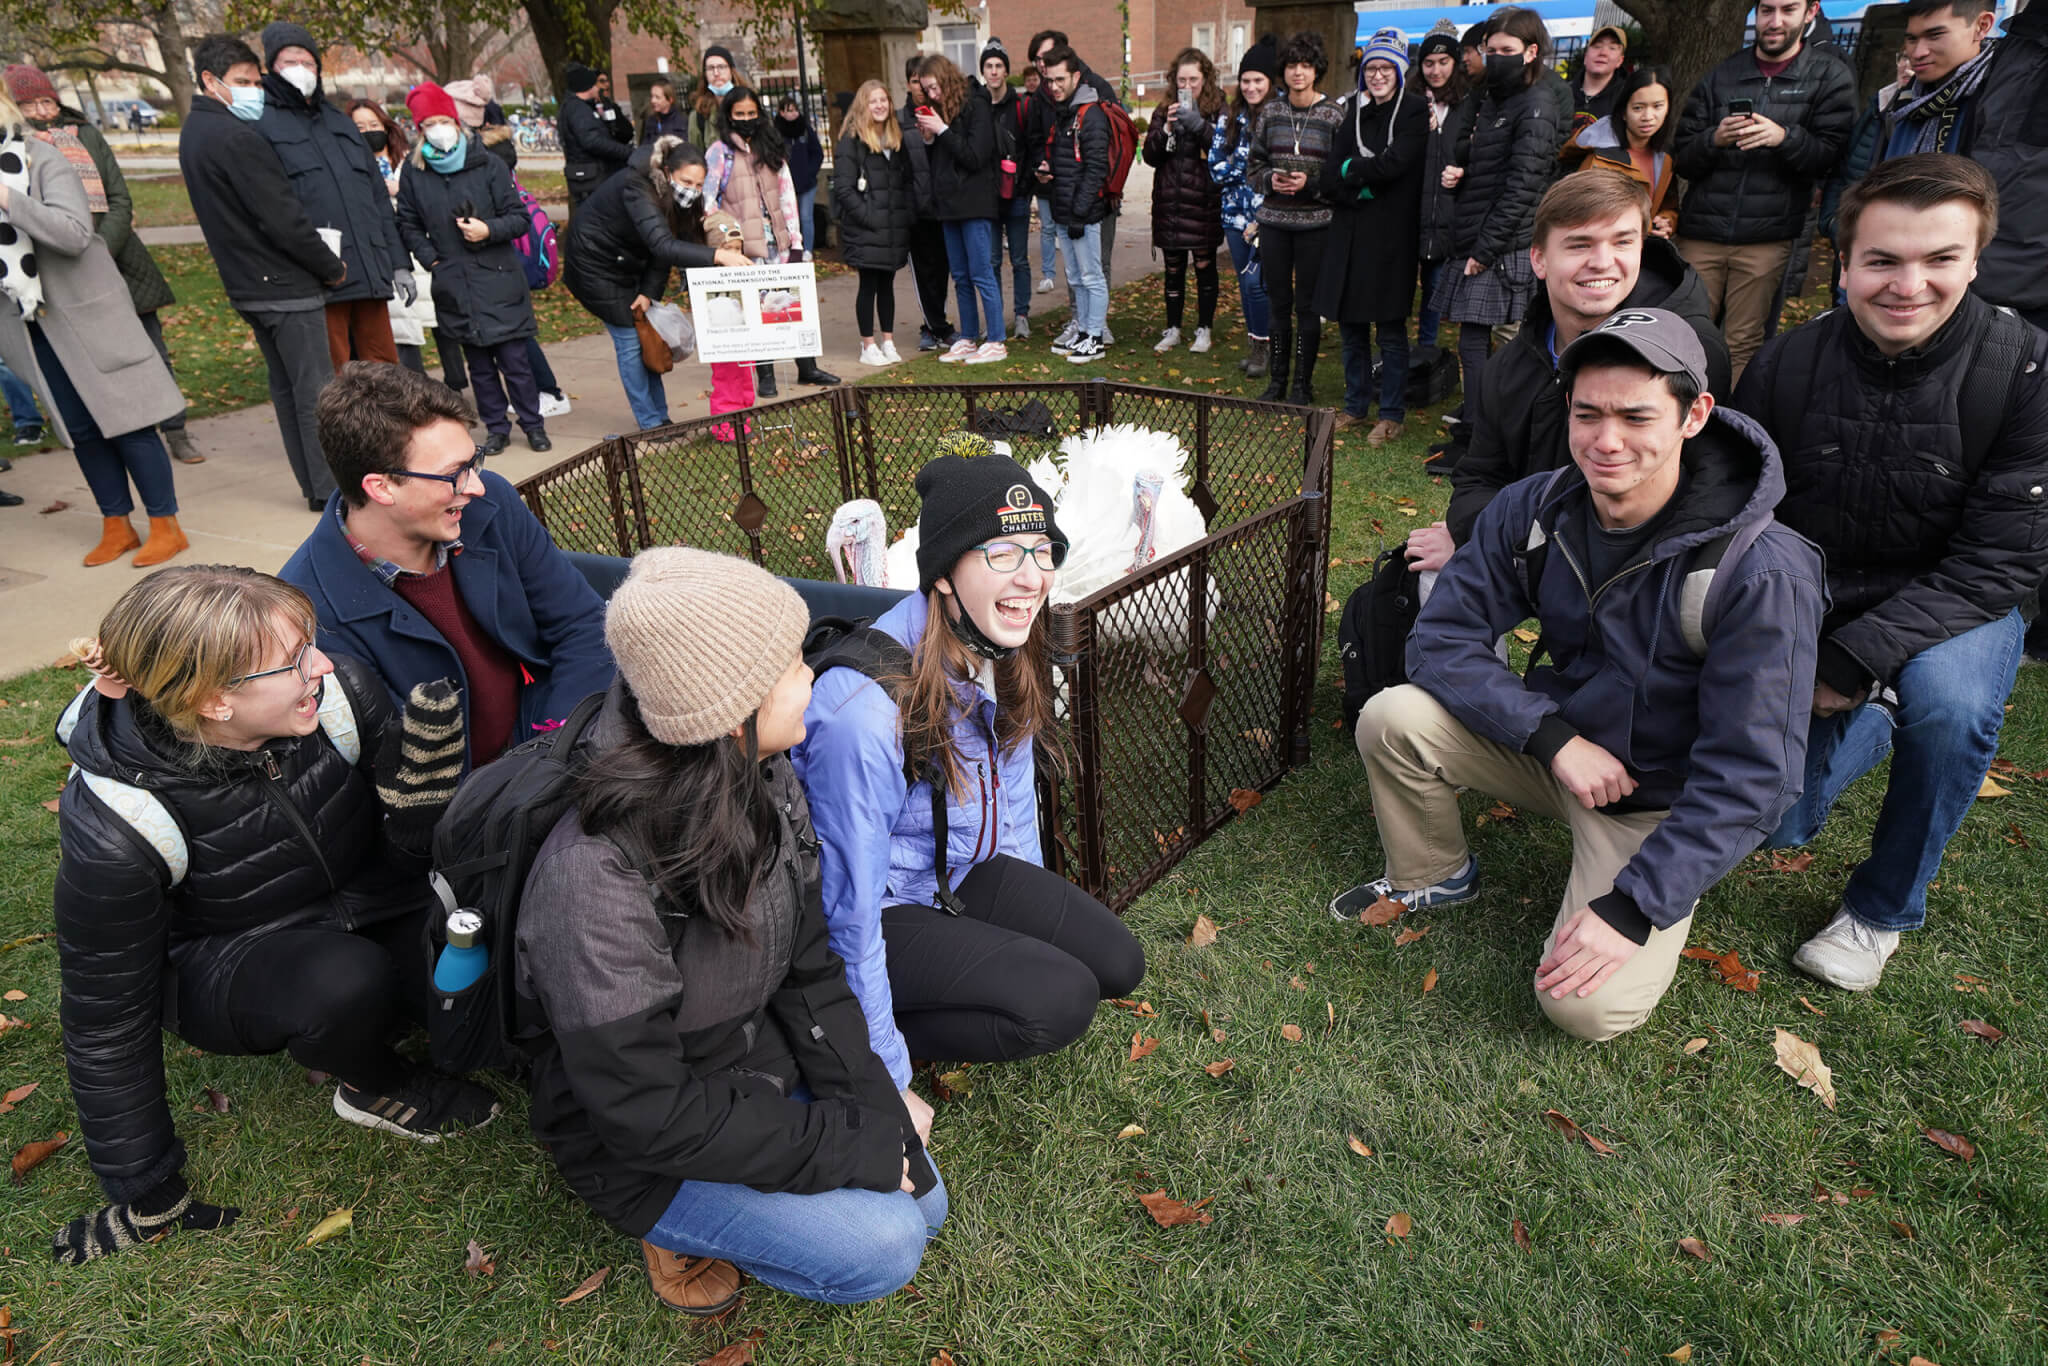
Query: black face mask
x=1503 y=70
x=973 y=637
x=377 y=139
x=746 y=128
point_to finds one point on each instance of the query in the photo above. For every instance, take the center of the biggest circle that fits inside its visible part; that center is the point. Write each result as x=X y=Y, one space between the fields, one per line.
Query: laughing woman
x=959 y=943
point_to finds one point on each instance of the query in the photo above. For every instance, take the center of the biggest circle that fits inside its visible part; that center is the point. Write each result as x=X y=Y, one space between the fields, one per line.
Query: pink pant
x=732 y=387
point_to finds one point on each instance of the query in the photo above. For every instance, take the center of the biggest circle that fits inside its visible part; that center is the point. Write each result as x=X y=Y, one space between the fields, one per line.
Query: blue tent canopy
x=1564 y=18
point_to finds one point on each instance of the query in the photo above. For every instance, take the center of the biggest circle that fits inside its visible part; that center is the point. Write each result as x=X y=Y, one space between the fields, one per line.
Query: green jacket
x=146 y=284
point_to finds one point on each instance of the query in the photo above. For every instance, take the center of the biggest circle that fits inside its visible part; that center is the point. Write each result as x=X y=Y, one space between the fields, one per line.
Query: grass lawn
x=1429 y=1055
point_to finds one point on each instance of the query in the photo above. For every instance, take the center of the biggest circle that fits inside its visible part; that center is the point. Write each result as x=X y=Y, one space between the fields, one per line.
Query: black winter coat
x=256 y=230
x=1920 y=546
x=290 y=835
x=963 y=161
x=663 y=1067
x=620 y=244
x=803 y=153
x=1187 y=208
x=1512 y=156
x=1515 y=413
x=1079 y=153
x=874 y=198
x=335 y=177
x=1023 y=118
x=2007 y=134
x=1373 y=178
x=1738 y=197
x=1450 y=145
x=589 y=151
x=480 y=293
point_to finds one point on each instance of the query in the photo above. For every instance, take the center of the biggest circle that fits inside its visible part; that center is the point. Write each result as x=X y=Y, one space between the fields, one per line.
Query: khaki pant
x=1416 y=757
x=1742 y=284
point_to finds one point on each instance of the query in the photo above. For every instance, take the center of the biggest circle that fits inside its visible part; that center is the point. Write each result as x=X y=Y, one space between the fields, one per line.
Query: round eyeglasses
x=297 y=666
x=1007 y=557
x=473 y=465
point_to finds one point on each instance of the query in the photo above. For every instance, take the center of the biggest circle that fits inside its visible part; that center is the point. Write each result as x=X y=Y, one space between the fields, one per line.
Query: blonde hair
x=886 y=136
x=12 y=120
x=181 y=636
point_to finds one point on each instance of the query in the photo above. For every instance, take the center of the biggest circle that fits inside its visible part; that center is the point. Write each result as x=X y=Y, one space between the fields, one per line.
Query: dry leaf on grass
x=1693 y=1247
x=1903 y=1229
x=1245 y=798
x=1204 y=933
x=51 y=805
x=1918 y=1360
x=1519 y=1231
x=1693 y=1046
x=1801 y=1061
x=1565 y=1125
x=217 y=1100
x=476 y=1263
x=1728 y=965
x=17 y=994
x=1357 y=1145
x=589 y=1286
x=1297 y=984
x=17 y=1096
x=1811 y=1007
x=1168 y=1212
x=1989 y=1033
x=1681 y=1354
x=1291 y=1033
x=1384 y=911
x=740 y=1353
x=1142 y=1046
x=944 y=1358
x=1501 y=811
x=1218 y=1068
x=1131 y=1131
x=1955 y=1145
x=1783 y=861
x=1784 y=1220
x=1429 y=980
x=1409 y=936
x=1989 y=788
x=335 y=1224
x=29 y=1156
x=1399 y=1225
x=1525 y=635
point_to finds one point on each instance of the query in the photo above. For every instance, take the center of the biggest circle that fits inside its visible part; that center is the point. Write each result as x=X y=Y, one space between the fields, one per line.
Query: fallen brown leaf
x=1429 y=980
x=1693 y=1046
x=1989 y=1033
x=1357 y=1145
x=1399 y=1225
x=1291 y=1033
x=476 y=1263
x=1917 y=1360
x=30 y=1155
x=1801 y=1061
x=1297 y=984
x=1501 y=811
x=589 y=1286
x=1131 y=1131
x=740 y=1353
x=1204 y=933
x=1168 y=1212
x=1784 y=862
x=51 y=805
x=1784 y=1220
x=217 y=1100
x=1729 y=966
x=1218 y=1068
x=17 y=994
x=20 y=1093
x=1903 y=1229
x=333 y=1226
x=1525 y=635
x=1142 y=1046
x=944 y=1358
x=1693 y=1247
x=1384 y=911
x=1565 y=1125
x=1812 y=1007
x=1990 y=788
x=1955 y=1145
x=1519 y=1231
x=1245 y=798
x=56 y=505
x=1409 y=936
x=1681 y=1355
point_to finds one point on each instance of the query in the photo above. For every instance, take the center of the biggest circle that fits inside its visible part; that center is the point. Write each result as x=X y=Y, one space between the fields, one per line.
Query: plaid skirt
x=1498 y=295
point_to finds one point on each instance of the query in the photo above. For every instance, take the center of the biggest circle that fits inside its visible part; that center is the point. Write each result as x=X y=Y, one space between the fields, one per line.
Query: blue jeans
x=1251 y=284
x=1014 y=223
x=1428 y=322
x=970 y=243
x=1951 y=705
x=842 y=1247
x=108 y=462
x=1393 y=368
x=1048 y=233
x=644 y=393
x=807 y=217
x=1083 y=256
x=21 y=400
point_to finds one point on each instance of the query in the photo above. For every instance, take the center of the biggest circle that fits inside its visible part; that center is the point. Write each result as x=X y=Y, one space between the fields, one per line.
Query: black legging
x=1291 y=259
x=1018 y=975
x=932 y=272
x=875 y=301
x=1475 y=343
x=1177 y=287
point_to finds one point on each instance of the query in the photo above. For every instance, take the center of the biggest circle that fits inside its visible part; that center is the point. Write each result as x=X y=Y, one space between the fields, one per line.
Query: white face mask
x=442 y=137
x=686 y=195
x=303 y=79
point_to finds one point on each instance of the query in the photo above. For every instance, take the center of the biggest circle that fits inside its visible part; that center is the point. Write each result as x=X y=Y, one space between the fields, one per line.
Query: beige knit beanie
x=701 y=639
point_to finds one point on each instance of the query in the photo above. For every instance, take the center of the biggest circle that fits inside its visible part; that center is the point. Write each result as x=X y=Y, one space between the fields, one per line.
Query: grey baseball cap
x=1664 y=341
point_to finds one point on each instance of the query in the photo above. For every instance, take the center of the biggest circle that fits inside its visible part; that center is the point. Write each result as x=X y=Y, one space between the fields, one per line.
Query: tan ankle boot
x=166 y=539
x=117 y=538
x=698 y=1286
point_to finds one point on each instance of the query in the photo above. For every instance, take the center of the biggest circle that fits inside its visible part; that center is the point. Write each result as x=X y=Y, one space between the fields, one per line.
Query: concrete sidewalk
x=241 y=506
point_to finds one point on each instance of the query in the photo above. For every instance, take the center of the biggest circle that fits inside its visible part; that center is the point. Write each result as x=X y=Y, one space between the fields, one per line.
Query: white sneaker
x=959 y=351
x=1022 y=331
x=988 y=353
x=1168 y=339
x=1201 y=340
x=872 y=355
x=1064 y=342
x=1847 y=953
x=889 y=352
x=1085 y=350
x=1045 y=285
x=554 y=405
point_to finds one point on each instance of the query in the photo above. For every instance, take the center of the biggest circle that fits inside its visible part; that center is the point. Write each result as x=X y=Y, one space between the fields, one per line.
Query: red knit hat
x=428 y=101
x=26 y=85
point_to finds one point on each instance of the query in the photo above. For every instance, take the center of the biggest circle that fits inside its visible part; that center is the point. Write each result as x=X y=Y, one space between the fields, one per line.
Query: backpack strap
x=1698 y=604
x=1985 y=400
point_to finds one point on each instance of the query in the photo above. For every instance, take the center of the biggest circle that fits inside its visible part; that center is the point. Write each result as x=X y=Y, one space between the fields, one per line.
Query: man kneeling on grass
x=1663 y=713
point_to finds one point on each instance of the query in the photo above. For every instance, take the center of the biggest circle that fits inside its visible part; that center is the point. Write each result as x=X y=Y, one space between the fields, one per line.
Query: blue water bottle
x=465 y=957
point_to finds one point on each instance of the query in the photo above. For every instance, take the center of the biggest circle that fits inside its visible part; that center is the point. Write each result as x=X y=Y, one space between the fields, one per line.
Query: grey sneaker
x=1847 y=953
x=1022 y=331
x=1460 y=886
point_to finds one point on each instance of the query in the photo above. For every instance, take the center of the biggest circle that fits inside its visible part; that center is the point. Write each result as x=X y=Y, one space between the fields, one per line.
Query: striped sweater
x=1291 y=139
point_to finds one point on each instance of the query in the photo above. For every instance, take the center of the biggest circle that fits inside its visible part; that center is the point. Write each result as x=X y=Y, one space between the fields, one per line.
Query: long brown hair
x=952 y=85
x=395 y=144
x=929 y=697
x=1210 y=101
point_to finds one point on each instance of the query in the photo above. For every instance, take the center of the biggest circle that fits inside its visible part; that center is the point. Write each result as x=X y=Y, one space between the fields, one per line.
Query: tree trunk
x=169 y=32
x=1690 y=36
x=557 y=37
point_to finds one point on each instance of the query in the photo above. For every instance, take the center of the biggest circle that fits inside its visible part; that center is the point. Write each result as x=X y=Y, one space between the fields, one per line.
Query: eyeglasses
x=298 y=666
x=473 y=465
x=1007 y=557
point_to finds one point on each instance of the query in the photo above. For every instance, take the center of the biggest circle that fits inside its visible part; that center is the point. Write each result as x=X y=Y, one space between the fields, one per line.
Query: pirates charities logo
x=1020 y=513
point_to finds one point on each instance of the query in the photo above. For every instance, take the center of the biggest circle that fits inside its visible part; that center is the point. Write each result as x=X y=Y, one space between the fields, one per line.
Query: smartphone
x=1187 y=99
x=1741 y=109
x=926 y=110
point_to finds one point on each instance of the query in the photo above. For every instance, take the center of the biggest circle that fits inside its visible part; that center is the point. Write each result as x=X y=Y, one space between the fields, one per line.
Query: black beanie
x=1263 y=58
x=283 y=34
x=577 y=77
x=720 y=50
x=970 y=499
x=995 y=48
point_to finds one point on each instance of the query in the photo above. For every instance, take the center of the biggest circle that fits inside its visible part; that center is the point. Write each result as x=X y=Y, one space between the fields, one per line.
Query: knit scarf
x=18 y=277
x=1929 y=117
x=75 y=152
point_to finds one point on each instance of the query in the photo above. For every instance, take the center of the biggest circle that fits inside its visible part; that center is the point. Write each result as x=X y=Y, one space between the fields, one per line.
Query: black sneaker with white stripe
x=1089 y=348
x=423 y=1107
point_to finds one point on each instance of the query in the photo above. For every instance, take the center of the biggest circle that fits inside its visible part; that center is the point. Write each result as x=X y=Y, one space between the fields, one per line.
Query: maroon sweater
x=495 y=677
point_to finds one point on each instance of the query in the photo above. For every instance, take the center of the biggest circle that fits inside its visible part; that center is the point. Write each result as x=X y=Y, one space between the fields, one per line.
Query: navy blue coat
x=1719 y=741
x=334 y=175
x=523 y=592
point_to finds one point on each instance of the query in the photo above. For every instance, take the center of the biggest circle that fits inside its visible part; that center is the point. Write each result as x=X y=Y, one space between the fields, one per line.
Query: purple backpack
x=538 y=251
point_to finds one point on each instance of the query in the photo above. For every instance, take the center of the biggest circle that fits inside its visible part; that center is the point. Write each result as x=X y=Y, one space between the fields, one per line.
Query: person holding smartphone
x=1187 y=206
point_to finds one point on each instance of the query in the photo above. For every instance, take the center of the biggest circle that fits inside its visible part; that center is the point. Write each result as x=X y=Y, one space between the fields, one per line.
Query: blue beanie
x=1387 y=45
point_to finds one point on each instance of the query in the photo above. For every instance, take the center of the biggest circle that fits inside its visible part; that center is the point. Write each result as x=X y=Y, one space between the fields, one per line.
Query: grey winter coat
x=88 y=316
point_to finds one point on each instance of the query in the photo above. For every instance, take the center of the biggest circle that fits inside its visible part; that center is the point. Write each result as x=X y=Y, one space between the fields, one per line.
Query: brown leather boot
x=117 y=538
x=166 y=539
x=700 y=1286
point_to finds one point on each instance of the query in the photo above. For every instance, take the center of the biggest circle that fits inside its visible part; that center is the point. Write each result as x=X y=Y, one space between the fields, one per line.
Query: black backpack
x=1372 y=630
x=483 y=847
x=1432 y=376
